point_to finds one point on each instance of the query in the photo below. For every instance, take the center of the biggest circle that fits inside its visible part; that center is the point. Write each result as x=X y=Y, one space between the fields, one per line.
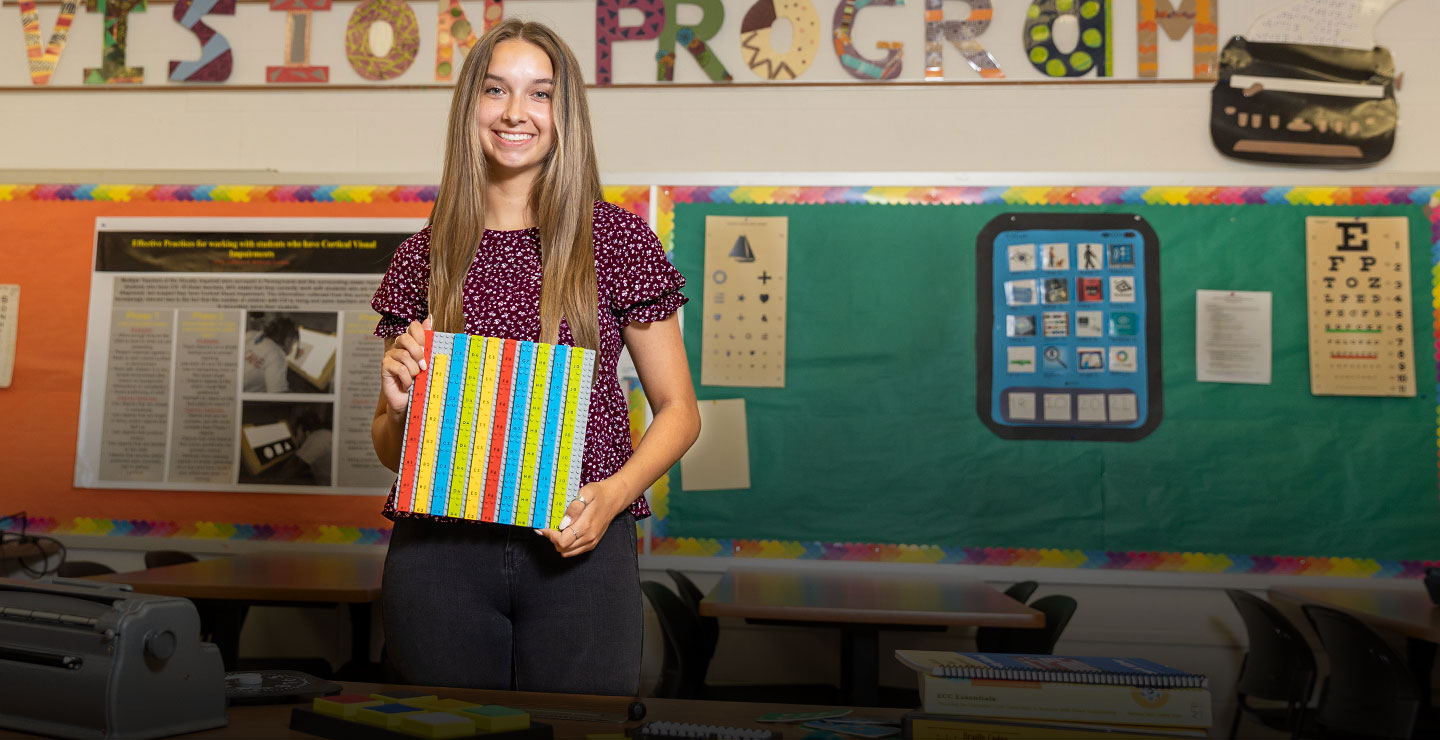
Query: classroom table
x=273 y=579
x=1405 y=610
x=582 y=714
x=861 y=604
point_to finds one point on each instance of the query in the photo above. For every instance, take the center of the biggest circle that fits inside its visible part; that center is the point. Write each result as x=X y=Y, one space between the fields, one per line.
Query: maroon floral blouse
x=502 y=299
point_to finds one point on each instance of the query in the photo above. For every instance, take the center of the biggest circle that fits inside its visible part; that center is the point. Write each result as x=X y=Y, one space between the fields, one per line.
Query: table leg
x=229 y=618
x=1422 y=663
x=860 y=664
x=359 y=668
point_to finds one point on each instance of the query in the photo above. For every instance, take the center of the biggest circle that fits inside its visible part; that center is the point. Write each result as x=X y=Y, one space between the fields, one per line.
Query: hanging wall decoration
x=1199 y=16
x=401 y=55
x=299 y=15
x=1304 y=103
x=1093 y=51
x=113 y=69
x=608 y=30
x=761 y=56
x=858 y=66
x=216 y=60
x=43 y=60
x=963 y=34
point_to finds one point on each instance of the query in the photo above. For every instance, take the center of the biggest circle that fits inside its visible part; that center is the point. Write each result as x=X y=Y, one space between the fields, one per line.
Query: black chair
x=691 y=594
x=1369 y=691
x=686 y=661
x=1278 y=666
x=82 y=568
x=1022 y=591
x=1057 y=609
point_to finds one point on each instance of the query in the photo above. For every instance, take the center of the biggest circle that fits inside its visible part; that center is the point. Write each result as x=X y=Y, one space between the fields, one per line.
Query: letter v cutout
x=43 y=61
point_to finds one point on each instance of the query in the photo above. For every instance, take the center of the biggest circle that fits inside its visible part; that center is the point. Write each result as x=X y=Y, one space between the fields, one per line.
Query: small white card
x=9 y=319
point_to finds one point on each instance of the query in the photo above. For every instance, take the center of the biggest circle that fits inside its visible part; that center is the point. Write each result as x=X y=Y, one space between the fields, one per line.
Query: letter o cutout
x=755 y=29
x=402 y=53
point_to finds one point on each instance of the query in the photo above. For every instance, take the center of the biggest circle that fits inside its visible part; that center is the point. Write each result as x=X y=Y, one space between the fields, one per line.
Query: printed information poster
x=1232 y=336
x=744 y=316
x=1358 y=280
x=234 y=354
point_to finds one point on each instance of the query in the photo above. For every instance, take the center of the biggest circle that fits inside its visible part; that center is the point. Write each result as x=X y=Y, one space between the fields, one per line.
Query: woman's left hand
x=585 y=522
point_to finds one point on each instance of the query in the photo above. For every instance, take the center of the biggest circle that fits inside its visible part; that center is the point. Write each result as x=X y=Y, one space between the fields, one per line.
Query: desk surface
x=855 y=597
x=317 y=577
x=1406 y=611
x=273 y=720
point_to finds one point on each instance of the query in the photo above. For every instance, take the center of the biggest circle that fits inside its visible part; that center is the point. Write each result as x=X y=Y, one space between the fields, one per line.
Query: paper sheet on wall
x=9 y=316
x=720 y=458
x=1232 y=336
x=1358 y=282
x=1348 y=23
x=743 y=340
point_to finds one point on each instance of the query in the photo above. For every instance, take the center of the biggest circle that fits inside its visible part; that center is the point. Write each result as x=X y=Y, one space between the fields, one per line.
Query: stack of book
x=995 y=696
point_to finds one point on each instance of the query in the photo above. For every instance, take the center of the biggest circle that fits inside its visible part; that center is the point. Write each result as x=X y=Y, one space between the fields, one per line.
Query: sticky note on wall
x=720 y=458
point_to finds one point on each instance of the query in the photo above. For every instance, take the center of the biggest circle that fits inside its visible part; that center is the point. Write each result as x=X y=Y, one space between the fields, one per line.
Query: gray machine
x=85 y=659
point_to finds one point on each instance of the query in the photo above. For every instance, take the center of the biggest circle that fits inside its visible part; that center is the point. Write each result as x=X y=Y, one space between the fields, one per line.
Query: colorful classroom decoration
x=43 y=60
x=1361 y=325
x=692 y=38
x=299 y=19
x=859 y=66
x=401 y=19
x=1092 y=53
x=495 y=430
x=113 y=69
x=760 y=54
x=1199 y=16
x=216 y=59
x=1069 y=317
x=964 y=34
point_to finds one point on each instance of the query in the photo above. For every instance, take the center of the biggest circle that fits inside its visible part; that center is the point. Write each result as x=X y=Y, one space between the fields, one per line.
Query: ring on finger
x=581 y=499
x=575 y=532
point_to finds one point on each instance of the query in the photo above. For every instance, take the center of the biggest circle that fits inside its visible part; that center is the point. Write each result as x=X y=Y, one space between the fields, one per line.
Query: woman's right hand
x=401 y=363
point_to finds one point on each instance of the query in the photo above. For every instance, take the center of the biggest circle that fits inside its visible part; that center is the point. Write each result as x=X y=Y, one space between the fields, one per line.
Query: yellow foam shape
x=442 y=705
x=342 y=706
x=436 y=724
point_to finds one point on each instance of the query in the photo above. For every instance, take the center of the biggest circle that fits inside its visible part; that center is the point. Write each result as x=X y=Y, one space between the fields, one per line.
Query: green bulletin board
x=875 y=437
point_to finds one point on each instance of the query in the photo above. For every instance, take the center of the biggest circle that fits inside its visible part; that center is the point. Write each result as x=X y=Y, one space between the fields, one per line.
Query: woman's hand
x=586 y=520
x=398 y=368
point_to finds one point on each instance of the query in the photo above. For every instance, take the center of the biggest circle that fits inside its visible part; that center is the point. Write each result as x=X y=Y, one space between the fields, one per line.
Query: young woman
x=520 y=245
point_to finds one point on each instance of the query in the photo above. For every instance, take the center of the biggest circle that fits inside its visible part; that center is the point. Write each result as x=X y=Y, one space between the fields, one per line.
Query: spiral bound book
x=495 y=430
x=1054 y=668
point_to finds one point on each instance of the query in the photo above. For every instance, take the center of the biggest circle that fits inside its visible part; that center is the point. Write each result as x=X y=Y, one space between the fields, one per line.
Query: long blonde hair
x=563 y=195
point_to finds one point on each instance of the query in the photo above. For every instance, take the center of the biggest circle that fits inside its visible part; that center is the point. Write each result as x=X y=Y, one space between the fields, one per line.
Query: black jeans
x=492 y=606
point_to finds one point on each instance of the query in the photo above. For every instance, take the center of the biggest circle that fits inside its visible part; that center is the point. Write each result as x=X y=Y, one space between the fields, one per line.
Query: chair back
x=1057 y=609
x=1279 y=664
x=1369 y=690
x=692 y=596
x=1021 y=591
x=162 y=558
x=82 y=568
x=683 y=667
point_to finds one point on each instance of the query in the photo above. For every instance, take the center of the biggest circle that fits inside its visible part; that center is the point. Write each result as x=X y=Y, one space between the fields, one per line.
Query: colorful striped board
x=495 y=430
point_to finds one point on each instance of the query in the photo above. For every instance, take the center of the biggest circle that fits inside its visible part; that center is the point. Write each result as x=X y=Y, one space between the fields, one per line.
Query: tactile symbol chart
x=744 y=316
x=495 y=430
x=1358 y=277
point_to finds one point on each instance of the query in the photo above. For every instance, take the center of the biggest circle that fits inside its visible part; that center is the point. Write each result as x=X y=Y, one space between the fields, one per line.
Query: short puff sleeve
x=645 y=287
x=404 y=292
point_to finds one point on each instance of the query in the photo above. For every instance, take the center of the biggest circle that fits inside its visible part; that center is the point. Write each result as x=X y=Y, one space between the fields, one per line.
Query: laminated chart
x=495 y=430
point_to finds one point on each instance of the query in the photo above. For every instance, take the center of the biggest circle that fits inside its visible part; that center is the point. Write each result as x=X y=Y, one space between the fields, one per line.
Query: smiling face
x=514 y=115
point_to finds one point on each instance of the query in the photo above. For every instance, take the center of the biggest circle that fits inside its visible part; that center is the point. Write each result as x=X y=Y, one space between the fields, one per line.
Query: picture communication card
x=1068 y=328
x=495 y=430
x=1358 y=278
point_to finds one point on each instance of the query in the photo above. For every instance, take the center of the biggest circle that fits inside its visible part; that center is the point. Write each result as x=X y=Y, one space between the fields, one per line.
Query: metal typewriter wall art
x=1304 y=104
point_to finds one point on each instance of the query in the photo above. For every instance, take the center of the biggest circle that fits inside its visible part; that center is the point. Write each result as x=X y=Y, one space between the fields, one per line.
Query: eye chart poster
x=1358 y=280
x=744 y=316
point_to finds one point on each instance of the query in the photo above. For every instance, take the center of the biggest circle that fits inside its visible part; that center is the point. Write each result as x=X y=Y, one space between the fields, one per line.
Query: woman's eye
x=492 y=90
x=542 y=94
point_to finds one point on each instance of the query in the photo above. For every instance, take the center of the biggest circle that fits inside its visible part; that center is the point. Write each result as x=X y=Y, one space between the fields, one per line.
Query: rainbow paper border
x=1183 y=562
